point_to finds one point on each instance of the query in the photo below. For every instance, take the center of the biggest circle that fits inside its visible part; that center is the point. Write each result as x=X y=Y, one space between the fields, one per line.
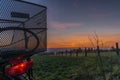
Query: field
x=77 y=68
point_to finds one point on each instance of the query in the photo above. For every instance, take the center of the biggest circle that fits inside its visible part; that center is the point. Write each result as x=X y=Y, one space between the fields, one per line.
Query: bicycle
x=17 y=65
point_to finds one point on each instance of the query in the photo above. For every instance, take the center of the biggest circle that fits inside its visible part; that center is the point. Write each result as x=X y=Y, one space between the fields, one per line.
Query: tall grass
x=75 y=68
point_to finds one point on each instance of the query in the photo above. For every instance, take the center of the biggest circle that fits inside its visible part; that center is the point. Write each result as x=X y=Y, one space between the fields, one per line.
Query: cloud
x=63 y=25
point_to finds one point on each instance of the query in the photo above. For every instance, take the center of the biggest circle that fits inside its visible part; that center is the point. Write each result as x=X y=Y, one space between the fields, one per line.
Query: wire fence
x=98 y=64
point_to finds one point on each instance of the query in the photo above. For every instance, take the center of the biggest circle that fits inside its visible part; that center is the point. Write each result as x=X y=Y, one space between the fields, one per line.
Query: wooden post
x=70 y=53
x=117 y=48
x=85 y=52
x=66 y=52
x=98 y=50
x=62 y=53
x=77 y=53
x=101 y=62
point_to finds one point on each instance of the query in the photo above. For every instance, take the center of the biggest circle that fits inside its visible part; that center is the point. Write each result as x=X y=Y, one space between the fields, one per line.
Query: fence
x=99 y=64
x=86 y=51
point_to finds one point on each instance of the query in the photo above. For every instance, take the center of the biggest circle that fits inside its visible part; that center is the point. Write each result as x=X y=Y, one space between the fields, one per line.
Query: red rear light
x=19 y=69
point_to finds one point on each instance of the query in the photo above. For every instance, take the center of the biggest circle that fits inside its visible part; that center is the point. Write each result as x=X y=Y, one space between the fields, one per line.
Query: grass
x=75 y=68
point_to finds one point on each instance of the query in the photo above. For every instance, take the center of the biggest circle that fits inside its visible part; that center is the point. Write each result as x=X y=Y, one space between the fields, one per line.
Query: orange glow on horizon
x=76 y=42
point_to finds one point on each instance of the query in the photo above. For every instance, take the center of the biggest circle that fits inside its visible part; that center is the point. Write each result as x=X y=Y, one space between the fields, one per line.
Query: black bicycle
x=17 y=64
x=23 y=33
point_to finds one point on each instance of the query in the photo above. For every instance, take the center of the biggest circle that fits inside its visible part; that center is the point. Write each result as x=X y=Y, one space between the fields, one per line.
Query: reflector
x=19 y=69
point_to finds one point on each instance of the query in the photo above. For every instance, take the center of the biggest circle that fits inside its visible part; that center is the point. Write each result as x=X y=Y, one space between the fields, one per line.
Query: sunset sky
x=73 y=23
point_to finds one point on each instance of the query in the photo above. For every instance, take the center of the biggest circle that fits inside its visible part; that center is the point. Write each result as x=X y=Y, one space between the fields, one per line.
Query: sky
x=75 y=23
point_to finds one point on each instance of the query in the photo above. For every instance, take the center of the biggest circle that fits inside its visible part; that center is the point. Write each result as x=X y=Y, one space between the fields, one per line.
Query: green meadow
x=91 y=67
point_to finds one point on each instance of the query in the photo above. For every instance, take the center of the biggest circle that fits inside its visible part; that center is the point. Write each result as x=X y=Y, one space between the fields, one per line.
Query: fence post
x=98 y=50
x=70 y=53
x=117 y=48
x=101 y=62
x=62 y=53
x=85 y=52
x=66 y=53
x=77 y=53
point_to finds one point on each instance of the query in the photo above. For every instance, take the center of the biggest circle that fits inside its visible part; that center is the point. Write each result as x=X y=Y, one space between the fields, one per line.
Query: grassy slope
x=72 y=68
